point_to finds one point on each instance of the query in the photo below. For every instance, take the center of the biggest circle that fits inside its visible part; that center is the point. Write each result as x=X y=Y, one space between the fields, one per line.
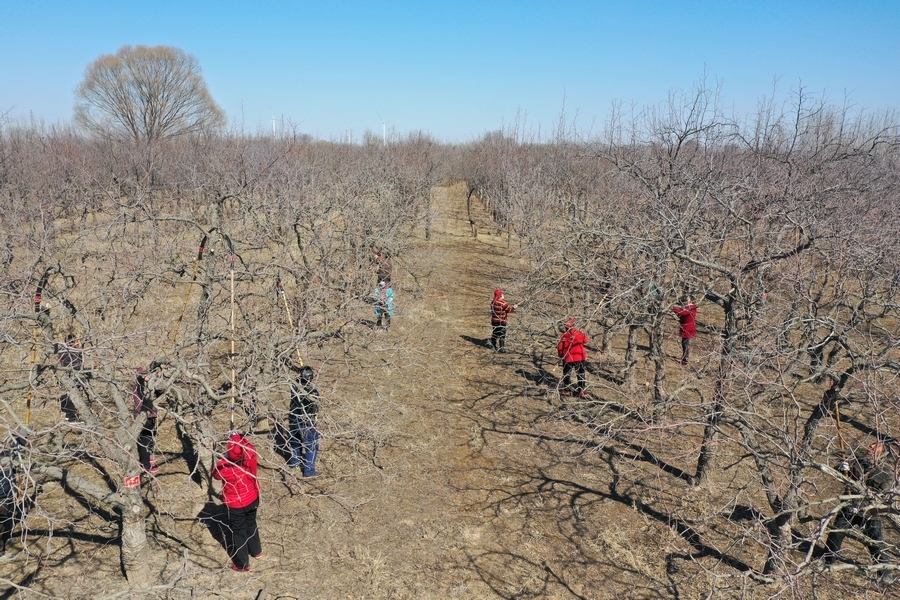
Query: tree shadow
x=215 y=517
x=540 y=377
x=189 y=452
x=280 y=439
x=482 y=342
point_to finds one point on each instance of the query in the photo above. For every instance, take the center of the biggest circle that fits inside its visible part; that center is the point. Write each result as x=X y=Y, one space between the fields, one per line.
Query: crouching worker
x=866 y=468
x=304 y=437
x=240 y=493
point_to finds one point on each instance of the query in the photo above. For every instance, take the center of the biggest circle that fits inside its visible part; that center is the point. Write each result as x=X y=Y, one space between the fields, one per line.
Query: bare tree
x=146 y=94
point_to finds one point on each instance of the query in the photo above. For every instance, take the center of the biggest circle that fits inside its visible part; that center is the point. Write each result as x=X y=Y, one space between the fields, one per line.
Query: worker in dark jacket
x=71 y=355
x=500 y=310
x=867 y=468
x=304 y=437
x=573 y=354
x=687 y=320
x=384 y=266
x=240 y=494
x=147 y=436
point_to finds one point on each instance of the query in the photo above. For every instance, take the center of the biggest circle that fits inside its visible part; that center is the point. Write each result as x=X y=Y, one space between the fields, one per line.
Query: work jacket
x=571 y=346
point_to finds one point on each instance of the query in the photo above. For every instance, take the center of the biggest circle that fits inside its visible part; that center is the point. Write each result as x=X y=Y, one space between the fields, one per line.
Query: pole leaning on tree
x=231 y=356
x=279 y=286
x=38 y=310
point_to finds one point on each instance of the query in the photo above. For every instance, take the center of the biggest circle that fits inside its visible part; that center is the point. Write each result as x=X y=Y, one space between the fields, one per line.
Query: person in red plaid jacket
x=500 y=310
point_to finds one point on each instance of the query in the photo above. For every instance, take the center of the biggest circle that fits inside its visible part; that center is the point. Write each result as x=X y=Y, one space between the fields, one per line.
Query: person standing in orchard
x=865 y=467
x=500 y=310
x=304 y=437
x=385 y=266
x=384 y=304
x=240 y=493
x=573 y=354
x=687 y=320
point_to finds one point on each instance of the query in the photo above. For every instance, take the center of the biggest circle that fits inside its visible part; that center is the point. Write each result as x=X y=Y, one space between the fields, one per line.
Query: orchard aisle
x=408 y=518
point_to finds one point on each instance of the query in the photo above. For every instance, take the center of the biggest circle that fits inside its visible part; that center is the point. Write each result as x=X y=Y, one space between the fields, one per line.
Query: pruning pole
x=30 y=395
x=233 y=373
x=280 y=287
x=38 y=297
x=837 y=424
x=187 y=294
x=599 y=304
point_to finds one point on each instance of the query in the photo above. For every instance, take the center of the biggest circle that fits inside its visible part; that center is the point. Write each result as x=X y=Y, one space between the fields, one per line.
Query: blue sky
x=457 y=69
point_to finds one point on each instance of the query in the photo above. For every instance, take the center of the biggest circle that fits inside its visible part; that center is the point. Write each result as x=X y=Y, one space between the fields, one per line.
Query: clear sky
x=457 y=69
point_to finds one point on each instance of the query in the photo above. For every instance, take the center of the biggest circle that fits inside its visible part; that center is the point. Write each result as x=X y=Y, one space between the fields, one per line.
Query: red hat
x=235 y=449
x=498 y=293
x=570 y=323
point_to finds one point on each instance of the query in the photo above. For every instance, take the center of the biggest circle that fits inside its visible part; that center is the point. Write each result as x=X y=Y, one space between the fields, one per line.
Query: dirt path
x=410 y=523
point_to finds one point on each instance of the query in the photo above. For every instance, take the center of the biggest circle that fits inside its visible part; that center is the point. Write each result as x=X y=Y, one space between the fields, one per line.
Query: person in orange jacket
x=573 y=354
x=240 y=493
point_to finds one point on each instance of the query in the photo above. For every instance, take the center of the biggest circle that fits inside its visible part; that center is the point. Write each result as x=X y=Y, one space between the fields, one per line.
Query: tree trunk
x=630 y=360
x=723 y=374
x=134 y=539
x=658 y=356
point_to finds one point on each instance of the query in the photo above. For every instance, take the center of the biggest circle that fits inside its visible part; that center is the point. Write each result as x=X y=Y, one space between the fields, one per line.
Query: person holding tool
x=304 y=437
x=571 y=349
x=240 y=494
x=864 y=466
x=687 y=321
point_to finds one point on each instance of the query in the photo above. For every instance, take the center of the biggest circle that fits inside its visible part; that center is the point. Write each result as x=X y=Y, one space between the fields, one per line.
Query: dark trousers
x=68 y=409
x=685 y=349
x=871 y=526
x=242 y=534
x=578 y=379
x=498 y=336
x=146 y=441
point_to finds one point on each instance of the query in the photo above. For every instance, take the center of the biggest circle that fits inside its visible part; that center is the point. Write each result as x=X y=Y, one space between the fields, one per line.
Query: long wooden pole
x=280 y=287
x=187 y=294
x=233 y=372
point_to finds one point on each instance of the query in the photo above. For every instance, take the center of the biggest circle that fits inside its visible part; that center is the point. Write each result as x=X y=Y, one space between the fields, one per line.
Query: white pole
x=384 y=133
x=273 y=128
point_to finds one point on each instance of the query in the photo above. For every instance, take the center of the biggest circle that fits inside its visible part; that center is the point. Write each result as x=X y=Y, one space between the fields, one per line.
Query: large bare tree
x=145 y=93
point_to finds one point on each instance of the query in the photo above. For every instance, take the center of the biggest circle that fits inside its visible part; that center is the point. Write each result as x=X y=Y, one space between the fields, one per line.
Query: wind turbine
x=383 y=130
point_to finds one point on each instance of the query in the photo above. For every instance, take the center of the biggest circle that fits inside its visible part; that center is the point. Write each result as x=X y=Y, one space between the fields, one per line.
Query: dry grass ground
x=470 y=480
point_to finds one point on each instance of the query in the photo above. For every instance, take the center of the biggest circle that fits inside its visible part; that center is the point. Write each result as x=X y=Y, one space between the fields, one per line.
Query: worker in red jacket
x=240 y=493
x=687 y=319
x=500 y=310
x=573 y=354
